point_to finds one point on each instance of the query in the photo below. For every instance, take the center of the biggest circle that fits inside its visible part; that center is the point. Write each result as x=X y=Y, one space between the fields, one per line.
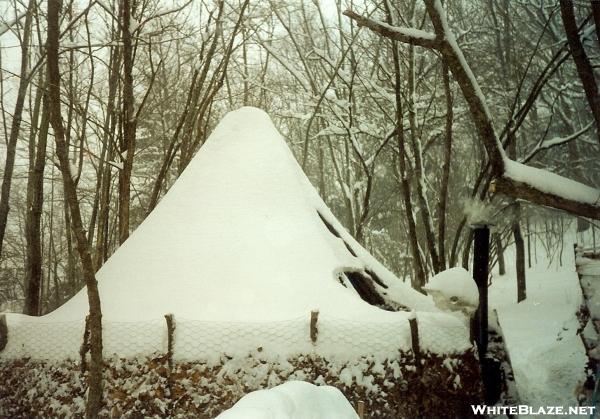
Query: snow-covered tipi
x=240 y=246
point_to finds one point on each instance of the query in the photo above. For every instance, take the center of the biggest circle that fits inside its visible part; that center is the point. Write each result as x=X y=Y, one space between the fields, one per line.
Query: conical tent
x=242 y=278
x=241 y=235
x=240 y=241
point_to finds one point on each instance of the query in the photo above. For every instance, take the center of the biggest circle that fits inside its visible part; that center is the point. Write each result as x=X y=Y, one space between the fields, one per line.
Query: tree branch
x=407 y=35
x=445 y=42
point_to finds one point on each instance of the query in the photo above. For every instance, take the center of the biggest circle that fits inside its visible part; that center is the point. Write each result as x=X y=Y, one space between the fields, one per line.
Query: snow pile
x=547 y=355
x=238 y=237
x=454 y=289
x=292 y=400
x=587 y=266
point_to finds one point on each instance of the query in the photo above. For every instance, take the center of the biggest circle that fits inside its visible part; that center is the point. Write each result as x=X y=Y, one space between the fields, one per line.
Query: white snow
x=237 y=238
x=292 y=400
x=587 y=266
x=236 y=250
x=408 y=32
x=547 y=355
x=551 y=183
x=4 y=27
x=456 y=286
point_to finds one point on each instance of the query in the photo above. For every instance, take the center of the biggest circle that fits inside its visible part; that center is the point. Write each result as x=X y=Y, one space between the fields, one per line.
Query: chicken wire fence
x=193 y=340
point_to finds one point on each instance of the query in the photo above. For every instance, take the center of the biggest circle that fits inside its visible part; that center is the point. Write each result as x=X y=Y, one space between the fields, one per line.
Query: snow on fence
x=209 y=341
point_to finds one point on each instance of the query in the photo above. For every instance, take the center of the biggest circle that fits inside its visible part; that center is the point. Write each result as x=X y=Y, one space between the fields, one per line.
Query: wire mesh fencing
x=188 y=340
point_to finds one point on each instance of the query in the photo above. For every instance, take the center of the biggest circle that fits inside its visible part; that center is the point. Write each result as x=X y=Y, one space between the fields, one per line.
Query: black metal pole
x=481 y=257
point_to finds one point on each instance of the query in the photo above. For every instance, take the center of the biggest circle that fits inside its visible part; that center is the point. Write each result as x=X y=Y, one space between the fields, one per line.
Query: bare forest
x=414 y=121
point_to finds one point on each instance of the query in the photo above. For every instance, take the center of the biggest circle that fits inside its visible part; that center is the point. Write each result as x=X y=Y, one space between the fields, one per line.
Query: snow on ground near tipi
x=237 y=243
x=547 y=356
x=292 y=400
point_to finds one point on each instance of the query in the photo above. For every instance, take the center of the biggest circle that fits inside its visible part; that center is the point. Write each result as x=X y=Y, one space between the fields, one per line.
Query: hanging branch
x=510 y=178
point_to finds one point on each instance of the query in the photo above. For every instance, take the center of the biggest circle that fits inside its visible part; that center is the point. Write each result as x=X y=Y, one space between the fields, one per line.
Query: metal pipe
x=481 y=257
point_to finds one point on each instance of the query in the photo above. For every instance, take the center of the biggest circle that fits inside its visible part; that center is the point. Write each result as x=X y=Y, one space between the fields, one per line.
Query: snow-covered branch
x=511 y=178
x=407 y=35
x=5 y=27
x=548 y=189
x=555 y=141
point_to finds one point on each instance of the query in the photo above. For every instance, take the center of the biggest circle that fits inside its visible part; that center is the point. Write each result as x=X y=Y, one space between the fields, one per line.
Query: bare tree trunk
x=246 y=98
x=127 y=146
x=456 y=242
x=528 y=242
x=419 y=170
x=520 y=262
x=500 y=253
x=108 y=150
x=94 y=398
x=321 y=162
x=443 y=204
x=467 y=250
x=70 y=274
x=35 y=200
x=596 y=12
x=15 y=128
x=584 y=67
x=512 y=153
x=418 y=280
x=52 y=260
x=516 y=229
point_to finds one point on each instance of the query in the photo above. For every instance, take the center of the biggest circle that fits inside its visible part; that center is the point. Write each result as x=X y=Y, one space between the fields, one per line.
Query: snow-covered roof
x=242 y=235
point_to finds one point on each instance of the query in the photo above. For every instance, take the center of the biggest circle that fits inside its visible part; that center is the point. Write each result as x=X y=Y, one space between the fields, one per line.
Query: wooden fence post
x=416 y=348
x=170 y=335
x=360 y=409
x=314 y=318
x=170 y=343
x=414 y=337
x=3 y=332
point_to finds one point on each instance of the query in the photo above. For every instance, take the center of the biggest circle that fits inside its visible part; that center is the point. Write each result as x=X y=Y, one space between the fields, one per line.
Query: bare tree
x=505 y=182
x=584 y=67
x=127 y=146
x=35 y=198
x=94 y=398
x=419 y=274
x=17 y=116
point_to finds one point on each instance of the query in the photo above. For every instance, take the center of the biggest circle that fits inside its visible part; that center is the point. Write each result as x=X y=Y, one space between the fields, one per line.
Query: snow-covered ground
x=292 y=400
x=547 y=356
